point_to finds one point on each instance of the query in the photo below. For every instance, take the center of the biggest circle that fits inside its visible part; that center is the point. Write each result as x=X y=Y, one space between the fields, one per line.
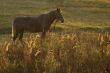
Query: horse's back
x=21 y=20
x=29 y=19
x=29 y=23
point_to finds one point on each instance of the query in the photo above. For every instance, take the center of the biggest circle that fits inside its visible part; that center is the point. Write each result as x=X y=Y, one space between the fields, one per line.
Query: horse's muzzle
x=62 y=21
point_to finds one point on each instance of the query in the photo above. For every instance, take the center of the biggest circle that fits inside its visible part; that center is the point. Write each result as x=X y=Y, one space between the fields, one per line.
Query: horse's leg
x=15 y=36
x=21 y=36
x=43 y=37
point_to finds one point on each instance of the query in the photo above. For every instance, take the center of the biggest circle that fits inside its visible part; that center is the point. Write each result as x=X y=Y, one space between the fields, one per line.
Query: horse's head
x=58 y=15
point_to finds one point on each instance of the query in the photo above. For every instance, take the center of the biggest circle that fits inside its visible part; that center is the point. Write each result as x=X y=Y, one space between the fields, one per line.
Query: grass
x=61 y=53
x=80 y=45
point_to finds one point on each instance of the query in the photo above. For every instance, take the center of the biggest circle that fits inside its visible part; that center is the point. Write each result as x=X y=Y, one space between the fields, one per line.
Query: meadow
x=80 y=45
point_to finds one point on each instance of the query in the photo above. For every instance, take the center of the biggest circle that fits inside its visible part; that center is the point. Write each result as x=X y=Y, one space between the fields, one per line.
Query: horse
x=34 y=24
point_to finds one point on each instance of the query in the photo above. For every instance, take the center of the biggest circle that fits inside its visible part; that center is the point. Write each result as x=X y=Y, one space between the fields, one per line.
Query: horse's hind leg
x=14 y=37
x=21 y=36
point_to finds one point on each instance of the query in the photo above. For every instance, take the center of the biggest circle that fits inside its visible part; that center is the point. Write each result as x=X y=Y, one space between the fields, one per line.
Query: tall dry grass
x=79 y=52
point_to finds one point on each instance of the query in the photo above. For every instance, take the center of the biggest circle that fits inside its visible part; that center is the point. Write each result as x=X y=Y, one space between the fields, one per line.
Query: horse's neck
x=51 y=18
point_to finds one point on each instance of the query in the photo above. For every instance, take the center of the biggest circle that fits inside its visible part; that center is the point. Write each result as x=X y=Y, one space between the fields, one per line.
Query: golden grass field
x=61 y=53
x=80 y=45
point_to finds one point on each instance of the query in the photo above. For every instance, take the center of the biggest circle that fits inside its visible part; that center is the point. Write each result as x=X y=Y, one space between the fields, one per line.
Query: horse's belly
x=33 y=29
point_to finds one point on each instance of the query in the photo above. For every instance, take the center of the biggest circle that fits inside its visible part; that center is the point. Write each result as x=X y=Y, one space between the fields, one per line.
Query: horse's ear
x=58 y=9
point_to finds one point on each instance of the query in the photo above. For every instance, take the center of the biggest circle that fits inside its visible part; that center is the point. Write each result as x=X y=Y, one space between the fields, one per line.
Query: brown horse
x=34 y=24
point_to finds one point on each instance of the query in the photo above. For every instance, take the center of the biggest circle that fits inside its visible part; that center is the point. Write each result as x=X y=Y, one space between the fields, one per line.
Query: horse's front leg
x=43 y=37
